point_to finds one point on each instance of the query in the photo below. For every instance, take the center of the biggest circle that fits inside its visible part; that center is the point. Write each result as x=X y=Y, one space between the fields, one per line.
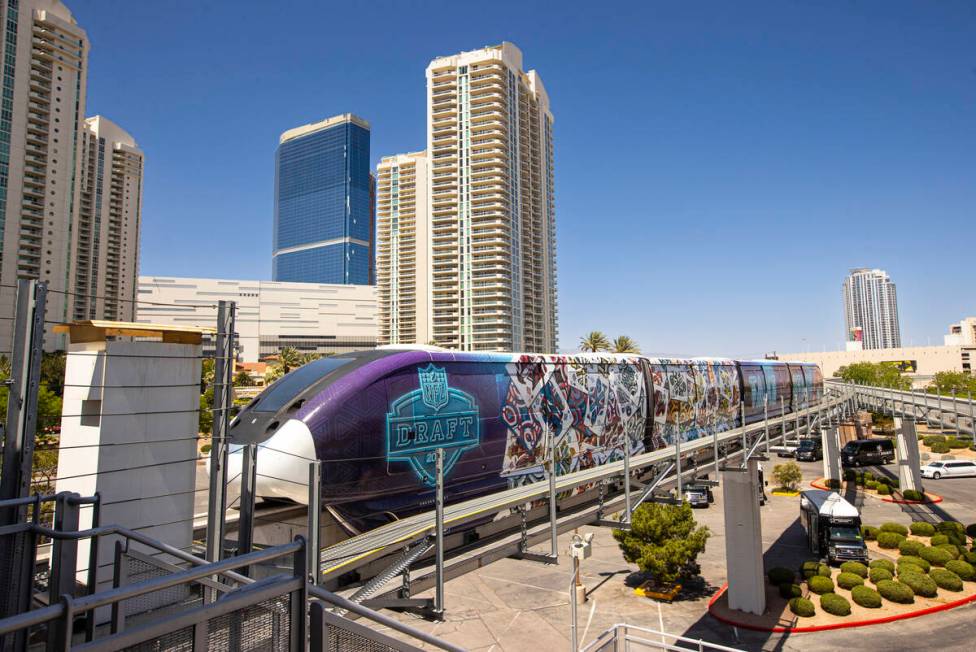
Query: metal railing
x=945 y=411
x=623 y=637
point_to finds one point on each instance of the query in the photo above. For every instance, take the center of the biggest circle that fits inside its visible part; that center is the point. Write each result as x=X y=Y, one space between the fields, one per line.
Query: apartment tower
x=493 y=230
x=107 y=255
x=871 y=309
x=403 y=243
x=323 y=221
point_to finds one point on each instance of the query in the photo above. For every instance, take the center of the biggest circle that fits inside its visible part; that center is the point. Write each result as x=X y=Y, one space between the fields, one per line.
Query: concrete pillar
x=909 y=473
x=128 y=431
x=743 y=539
x=831 y=453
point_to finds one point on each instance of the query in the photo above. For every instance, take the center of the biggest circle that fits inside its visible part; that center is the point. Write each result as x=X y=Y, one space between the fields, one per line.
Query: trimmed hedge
x=963 y=569
x=866 y=597
x=939 y=447
x=912 y=494
x=779 y=575
x=869 y=532
x=956 y=444
x=849 y=580
x=910 y=547
x=890 y=540
x=823 y=570
x=936 y=556
x=922 y=529
x=915 y=561
x=871 y=484
x=819 y=584
x=896 y=591
x=934 y=439
x=789 y=590
x=920 y=584
x=908 y=569
x=884 y=490
x=886 y=564
x=946 y=579
x=969 y=557
x=879 y=574
x=951 y=548
x=939 y=539
x=895 y=527
x=802 y=607
x=835 y=604
x=951 y=526
x=855 y=567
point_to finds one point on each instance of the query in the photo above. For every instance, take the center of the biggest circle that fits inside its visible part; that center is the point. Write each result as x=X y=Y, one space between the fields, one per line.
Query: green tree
x=787 y=475
x=664 y=541
x=52 y=371
x=206 y=412
x=243 y=379
x=878 y=374
x=594 y=341
x=273 y=373
x=289 y=358
x=624 y=344
x=945 y=382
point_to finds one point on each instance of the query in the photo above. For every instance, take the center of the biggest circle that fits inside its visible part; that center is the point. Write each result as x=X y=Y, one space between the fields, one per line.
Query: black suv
x=809 y=450
x=867 y=451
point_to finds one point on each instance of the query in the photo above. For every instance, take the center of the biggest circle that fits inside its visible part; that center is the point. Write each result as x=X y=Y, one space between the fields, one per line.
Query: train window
x=296 y=381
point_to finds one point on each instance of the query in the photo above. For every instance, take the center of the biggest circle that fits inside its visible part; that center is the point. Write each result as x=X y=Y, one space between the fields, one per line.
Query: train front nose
x=282 y=463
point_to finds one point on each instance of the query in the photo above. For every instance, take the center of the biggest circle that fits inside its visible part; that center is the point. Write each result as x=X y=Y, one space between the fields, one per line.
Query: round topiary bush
x=951 y=548
x=910 y=547
x=886 y=564
x=939 y=539
x=855 y=567
x=896 y=591
x=871 y=484
x=869 y=532
x=945 y=579
x=895 y=527
x=779 y=575
x=868 y=476
x=934 y=439
x=969 y=557
x=915 y=561
x=809 y=568
x=866 y=597
x=912 y=494
x=956 y=444
x=922 y=529
x=802 y=607
x=939 y=447
x=879 y=574
x=823 y=570
x=908 y=569
x=819 y=584
x=890 y=540
x=936 y=556
x=789 y=590
x=849 y=580
x=963 y=569
x=920 y=584
x=884 y=490
x=835 y=604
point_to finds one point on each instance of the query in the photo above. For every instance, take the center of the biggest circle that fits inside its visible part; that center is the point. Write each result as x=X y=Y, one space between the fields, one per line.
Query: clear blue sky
x=719 y=166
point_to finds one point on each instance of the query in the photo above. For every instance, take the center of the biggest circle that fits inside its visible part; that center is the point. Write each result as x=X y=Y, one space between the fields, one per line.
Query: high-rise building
x=106 y=259
x=403 y=269
x=493 y=229
x=45 y=59
x=322 y=222
x=871 y=309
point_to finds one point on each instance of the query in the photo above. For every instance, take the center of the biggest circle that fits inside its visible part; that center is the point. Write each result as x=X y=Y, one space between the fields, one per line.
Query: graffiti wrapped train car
x=375 y=419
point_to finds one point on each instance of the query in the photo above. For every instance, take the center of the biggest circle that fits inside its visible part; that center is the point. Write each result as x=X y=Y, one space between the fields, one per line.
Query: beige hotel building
x=466 y=256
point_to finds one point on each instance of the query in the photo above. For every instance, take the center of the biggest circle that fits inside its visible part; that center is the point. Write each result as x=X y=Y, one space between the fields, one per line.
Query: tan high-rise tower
x=492 y=247
x=403 y=249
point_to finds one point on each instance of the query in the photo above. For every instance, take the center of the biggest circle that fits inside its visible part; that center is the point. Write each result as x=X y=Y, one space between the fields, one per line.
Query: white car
x=954 y=469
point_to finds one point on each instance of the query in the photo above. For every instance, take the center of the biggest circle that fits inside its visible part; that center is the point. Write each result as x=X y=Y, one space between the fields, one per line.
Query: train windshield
x=295 y=381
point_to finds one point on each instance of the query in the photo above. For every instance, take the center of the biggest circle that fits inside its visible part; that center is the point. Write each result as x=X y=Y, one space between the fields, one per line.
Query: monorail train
x=376 y=418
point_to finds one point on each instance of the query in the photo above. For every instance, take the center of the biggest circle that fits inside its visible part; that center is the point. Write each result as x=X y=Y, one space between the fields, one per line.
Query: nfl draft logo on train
x=434 y=416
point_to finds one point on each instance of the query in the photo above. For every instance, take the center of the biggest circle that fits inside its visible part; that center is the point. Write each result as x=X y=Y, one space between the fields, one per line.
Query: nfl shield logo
x=433 y=386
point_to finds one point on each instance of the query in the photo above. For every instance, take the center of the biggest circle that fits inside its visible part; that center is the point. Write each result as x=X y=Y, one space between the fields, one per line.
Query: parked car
x=698 y=495
x=784 y=450
x=809 y=450
x=953 y=469
x=867 y=451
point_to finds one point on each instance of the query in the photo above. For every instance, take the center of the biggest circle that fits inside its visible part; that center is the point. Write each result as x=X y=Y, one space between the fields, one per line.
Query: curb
x=932 y=498
x=822 y=628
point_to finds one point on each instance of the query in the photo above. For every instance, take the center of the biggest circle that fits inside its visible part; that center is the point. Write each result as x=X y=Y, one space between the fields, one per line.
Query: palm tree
x=594 y=341
x=624 y=344
x=289 y=358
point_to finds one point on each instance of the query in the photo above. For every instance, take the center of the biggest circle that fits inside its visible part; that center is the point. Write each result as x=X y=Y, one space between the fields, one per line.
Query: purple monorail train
x=375 y=419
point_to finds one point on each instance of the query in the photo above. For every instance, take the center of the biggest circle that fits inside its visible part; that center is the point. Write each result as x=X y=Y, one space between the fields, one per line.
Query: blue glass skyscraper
x=323 y=226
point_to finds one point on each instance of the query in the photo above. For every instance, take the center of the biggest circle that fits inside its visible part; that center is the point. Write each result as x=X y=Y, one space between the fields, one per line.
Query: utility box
x=129 y=430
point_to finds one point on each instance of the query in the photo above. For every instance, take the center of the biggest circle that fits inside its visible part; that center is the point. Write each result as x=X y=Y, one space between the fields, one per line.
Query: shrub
x=890 y=540
x=884 y=490
x=963 y=569
x=952 y=549
x=912 y=494
x=971 y=530
x=790 y=590
x=939 y=447
x=936 y=556
x=779 y=575
x=955 y=444
x=896 y=591
x=823 y=570
x=809 y=568
x=869 y=532
x=871 y=484
x=922 y=529
x=849 y=580
x=939 y=539
x=945 y=579
x=866 y=597
x=664 y=541
x=915 y=561
x=886 y=564
x=909 y=569
x=895 y=527
x=867 y=477
x=835 y=604
x=878 y=574
x=787 y=475
x=910 y=547
x=802 y=607
x=969 y=557
x=855 y=567
x=820 y=584
x=920 y=584
x=953 y=527
x=934 y=439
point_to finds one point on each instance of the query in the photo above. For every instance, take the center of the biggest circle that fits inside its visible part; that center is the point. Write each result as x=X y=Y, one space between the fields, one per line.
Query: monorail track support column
x=314 y=545
x=765 y=423
x=831 y=452
x=909 y=473
x=743 y=538
x=439 y=544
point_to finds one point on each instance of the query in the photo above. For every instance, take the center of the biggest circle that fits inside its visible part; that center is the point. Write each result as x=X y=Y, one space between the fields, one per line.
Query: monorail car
x=375 y=419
